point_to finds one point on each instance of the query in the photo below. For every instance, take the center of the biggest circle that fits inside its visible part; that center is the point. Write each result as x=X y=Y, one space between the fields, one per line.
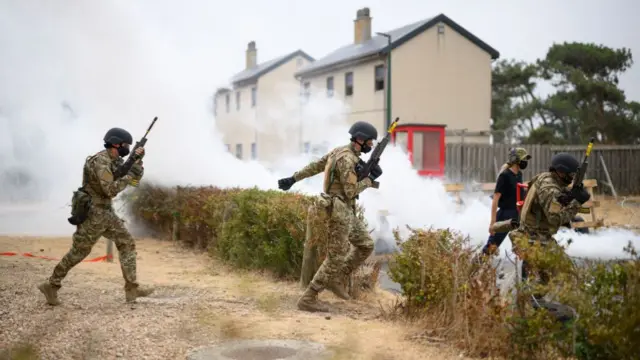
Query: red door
x=425 y=146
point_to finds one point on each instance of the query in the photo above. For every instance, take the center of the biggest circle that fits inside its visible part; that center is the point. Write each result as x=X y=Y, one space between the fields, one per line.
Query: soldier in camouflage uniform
x=341 y=188
x=100 y=219
x=541 y=216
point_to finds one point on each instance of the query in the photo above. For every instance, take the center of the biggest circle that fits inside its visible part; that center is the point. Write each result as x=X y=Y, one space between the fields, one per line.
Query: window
x=330 y=86
x=379 y=82
x=254 y=151
x=228 y=147
x=426 y=150
x=306 y=90
x=238 y=100
x=227 y=101
x=239 y=151
x=254 y=96
x=299 y=62
x=307 y=147
x=348 y=84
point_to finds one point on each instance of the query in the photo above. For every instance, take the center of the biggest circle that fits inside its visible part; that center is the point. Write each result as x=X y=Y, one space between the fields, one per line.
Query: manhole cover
x=260 y=353
x=262 y=350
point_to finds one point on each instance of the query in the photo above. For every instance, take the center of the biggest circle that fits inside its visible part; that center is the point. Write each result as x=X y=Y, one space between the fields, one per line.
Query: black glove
x=137 y=170
x=375 y=172
x=286 y=183
x=580 y=194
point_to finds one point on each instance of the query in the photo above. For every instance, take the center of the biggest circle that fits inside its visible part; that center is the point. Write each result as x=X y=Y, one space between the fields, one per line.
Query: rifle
x=566 y=197
x=363 y=170
x=133 y=157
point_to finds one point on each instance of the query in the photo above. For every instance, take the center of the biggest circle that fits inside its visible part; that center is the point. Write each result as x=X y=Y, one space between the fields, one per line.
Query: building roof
x=250 y=75
x=379 y=45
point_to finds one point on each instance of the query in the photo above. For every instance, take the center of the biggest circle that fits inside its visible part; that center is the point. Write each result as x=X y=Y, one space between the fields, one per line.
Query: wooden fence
x=480 y=162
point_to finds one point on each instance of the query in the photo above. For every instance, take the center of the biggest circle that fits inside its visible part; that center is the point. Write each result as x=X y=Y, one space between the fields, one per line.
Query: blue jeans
x=497 y=238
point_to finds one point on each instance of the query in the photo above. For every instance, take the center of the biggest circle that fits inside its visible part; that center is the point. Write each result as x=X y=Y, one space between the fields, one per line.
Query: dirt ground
x=197 y=302
x=625 y=211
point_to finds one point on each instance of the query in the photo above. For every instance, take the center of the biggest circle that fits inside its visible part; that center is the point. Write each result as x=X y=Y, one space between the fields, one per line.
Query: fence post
x=608 y=176
x=109 y=250
x=310 y=252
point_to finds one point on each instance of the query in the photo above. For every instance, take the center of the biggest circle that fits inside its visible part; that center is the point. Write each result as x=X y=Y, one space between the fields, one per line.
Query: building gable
x=379 y=45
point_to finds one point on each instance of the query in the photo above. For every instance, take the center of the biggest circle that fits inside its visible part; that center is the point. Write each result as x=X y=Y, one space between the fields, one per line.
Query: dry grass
x=23 y=351
x=198 y=300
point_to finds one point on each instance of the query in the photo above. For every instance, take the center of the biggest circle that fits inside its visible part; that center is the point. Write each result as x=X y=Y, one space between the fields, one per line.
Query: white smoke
x=70 y=70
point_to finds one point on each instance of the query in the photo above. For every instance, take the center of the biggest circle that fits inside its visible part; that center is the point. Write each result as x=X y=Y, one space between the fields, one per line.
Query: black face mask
x=123 y=151
x=566 y=178
x=364 y=148
x=523 y=164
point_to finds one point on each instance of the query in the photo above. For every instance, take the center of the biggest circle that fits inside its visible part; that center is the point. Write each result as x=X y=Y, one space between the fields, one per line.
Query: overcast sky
x=518 y=29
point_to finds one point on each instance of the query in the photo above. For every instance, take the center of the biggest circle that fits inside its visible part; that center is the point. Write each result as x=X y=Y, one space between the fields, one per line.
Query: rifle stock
x=364 y=170
x=133 y=157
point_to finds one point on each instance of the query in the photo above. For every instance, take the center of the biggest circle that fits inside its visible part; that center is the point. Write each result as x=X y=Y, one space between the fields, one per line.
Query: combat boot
x=338 y=288
x=50 y=292
x=134 y=292
x=309 y=302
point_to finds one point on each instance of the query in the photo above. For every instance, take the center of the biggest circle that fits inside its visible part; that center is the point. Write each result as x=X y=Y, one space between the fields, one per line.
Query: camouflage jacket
x=97 y=178
x=544 y=214
x=341 y=180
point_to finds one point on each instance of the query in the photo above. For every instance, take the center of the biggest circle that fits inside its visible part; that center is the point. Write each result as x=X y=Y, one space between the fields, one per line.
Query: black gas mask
x=123 y=151
x=364 y=147
x=523 y=164
x=567 y=178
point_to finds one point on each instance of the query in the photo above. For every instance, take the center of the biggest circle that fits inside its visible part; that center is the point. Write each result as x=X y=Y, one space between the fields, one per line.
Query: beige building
x=440 y=75
x=258 y=99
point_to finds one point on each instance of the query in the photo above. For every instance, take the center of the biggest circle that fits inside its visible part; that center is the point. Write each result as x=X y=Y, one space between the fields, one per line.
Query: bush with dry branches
x=456 y=298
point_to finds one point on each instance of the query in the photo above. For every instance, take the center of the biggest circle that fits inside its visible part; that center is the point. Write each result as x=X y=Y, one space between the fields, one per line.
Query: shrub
x=455 y=298
x=248 y=228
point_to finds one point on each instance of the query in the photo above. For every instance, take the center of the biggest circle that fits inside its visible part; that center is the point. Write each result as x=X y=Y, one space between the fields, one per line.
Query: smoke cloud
x=71 y=70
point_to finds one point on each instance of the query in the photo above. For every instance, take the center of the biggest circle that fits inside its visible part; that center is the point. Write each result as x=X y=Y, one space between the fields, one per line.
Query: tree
x=588 y=101
x=514 y=103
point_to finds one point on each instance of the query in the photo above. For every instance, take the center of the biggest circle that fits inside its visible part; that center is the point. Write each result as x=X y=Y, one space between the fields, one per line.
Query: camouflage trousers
x=542 y=257
x=102 y=221
x=344 y=226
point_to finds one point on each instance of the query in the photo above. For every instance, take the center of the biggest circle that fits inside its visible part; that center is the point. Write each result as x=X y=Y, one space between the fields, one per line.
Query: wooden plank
x=490 y=186
x=587 y=224
x=454 y=187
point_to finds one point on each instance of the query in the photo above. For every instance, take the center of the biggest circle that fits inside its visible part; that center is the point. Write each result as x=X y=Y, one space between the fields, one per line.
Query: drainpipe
x=388 y=80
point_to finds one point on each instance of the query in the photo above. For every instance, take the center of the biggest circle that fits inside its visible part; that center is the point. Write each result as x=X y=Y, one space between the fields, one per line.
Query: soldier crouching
x=549 y=205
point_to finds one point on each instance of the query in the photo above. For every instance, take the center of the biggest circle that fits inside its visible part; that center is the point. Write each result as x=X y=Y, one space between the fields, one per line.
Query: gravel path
x=197 y=302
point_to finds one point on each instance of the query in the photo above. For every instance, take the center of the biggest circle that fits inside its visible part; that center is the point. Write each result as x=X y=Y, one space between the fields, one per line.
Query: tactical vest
x=91 y=183
x=532 y=216
x=332 y=183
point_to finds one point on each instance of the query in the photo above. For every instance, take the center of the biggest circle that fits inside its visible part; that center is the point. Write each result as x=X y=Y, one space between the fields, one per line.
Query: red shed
x=425 y=146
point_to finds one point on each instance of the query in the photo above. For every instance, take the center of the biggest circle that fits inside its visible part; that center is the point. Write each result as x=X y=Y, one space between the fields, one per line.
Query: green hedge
x=249 y=228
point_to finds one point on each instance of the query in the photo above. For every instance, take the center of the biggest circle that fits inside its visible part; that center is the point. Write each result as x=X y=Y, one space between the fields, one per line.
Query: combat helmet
x=564 y=162
x=363 y=130
x=118 y=136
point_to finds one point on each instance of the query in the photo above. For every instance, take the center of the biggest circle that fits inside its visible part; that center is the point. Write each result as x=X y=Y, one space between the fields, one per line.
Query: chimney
x=252 y=55
x=362 y=28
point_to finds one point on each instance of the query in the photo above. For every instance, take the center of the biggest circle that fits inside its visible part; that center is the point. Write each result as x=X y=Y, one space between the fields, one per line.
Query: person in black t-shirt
x=503 y=206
